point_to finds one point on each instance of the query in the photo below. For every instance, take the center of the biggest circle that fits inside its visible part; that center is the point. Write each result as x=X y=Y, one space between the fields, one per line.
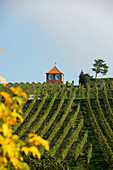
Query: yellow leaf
x=31 y=135
x=3 y=163
x=5 y=129
x=12 y=122
x=37 y=140
x=15 y=137
x=21 y=158
x=25 y=149
x=19 y=100
x=44 y=143
x=7 y=97
x=15 y=90
x=35 y=151
x=38 y=154
x=9 y=133
x=23 y=94
x=18 y=91
x=14 y=114
x=10 y=149
x=3 y=80
x=14 y=161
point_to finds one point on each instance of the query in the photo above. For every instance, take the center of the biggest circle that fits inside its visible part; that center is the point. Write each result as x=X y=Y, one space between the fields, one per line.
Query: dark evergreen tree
x=84 y=78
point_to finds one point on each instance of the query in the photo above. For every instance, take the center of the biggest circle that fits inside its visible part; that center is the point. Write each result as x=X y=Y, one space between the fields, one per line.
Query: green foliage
x=59 y=124
x=55 y=118
x=84 y=79
x=105 y=97
x=27 y=123
x=46 y=128
x=46 y=162
x=65 y=131
x=100 y=67
x=89 y=154
x=106 y=125
x=107 y=149
x=63 y=117
x=38 y=123
x=73 y=138
x=80 y=146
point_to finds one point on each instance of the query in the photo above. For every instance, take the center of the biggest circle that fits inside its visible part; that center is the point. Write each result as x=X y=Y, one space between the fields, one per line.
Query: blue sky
x=34 y=34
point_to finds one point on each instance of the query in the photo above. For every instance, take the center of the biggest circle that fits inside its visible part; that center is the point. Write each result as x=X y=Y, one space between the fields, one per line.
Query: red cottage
x=54 y=75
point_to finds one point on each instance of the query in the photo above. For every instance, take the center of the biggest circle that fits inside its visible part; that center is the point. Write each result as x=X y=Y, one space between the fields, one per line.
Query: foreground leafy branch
x=10 y=144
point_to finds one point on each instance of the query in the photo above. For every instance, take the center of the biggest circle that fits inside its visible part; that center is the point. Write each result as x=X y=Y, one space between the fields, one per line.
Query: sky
x=34 y=34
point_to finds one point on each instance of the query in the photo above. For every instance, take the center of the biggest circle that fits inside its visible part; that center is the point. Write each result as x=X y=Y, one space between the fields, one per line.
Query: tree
x=100 y=67
x=84 y=78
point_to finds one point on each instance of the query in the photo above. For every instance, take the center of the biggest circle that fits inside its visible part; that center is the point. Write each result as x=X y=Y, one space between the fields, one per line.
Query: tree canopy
x=84 y=78
x=100 y=67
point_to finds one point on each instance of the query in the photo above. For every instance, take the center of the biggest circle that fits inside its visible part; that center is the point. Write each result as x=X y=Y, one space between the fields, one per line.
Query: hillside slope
x=77 y=122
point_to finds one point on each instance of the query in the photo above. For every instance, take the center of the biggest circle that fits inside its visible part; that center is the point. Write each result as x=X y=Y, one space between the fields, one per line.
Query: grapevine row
x=89 y=154
x=80 y=146
x=30 y=107
x=72 y=138
x=48 y=125
x=59 y=124
x=37 y=125
x=107 y=149
x=103 y=119
x=33 y=117
x=105 y=97
x=66 y=130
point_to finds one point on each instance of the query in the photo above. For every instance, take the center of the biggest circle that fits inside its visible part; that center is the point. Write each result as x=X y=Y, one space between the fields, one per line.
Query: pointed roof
x=54 y=70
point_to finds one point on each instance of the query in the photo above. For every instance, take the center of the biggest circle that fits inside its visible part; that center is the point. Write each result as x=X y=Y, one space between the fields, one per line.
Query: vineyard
x=77 y=122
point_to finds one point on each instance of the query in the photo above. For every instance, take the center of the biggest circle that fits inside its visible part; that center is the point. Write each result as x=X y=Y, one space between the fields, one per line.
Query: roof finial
x=55 y=64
